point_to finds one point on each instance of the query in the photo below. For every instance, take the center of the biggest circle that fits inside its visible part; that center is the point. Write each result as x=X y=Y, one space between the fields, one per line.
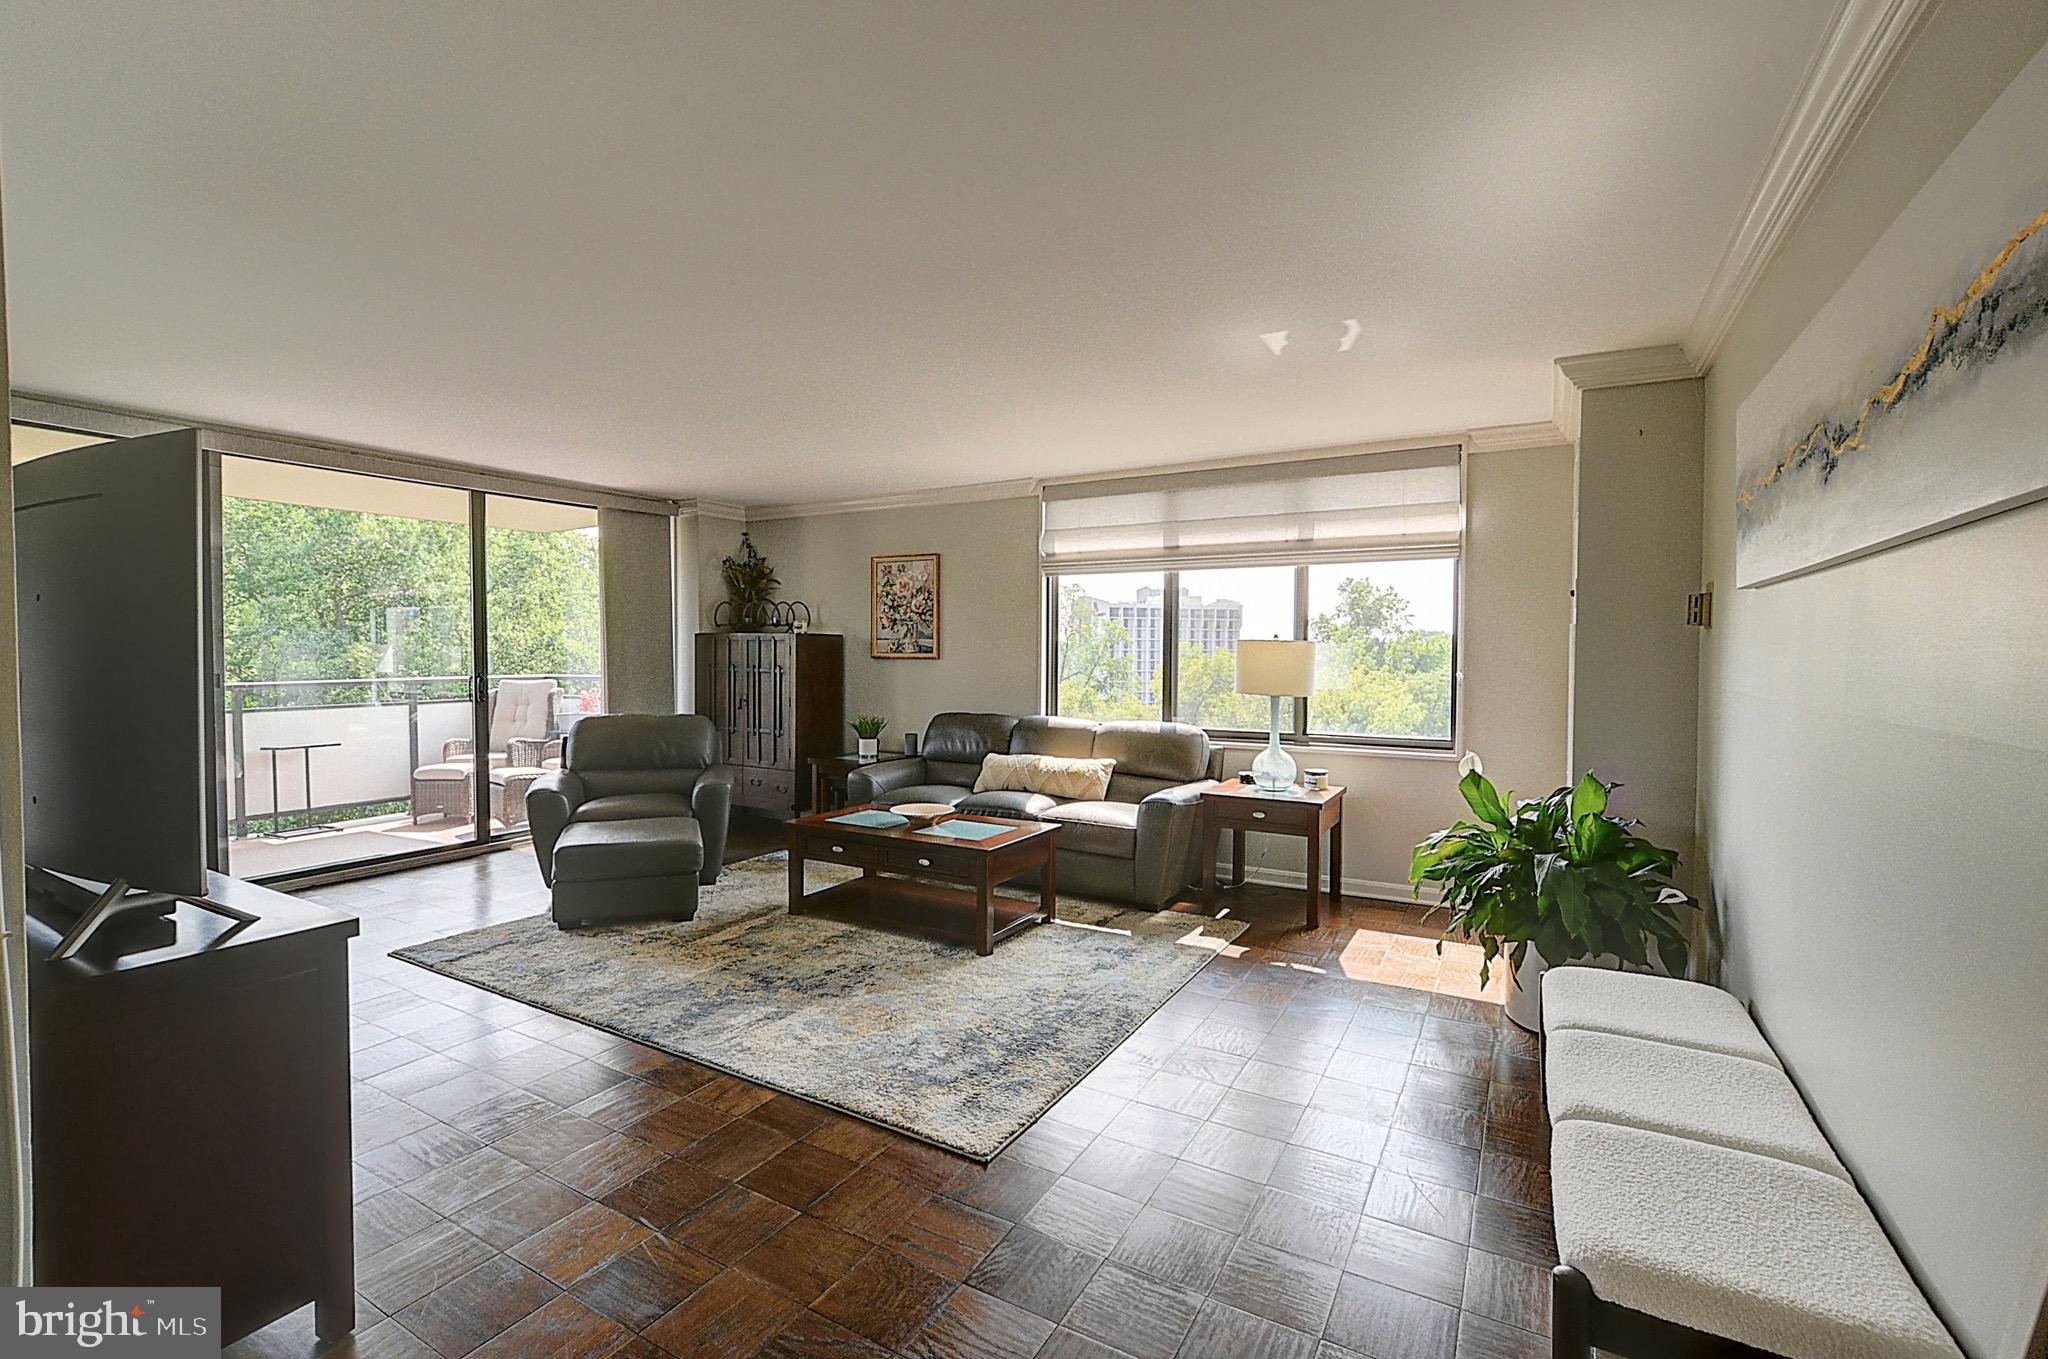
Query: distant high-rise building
x=1208 y=625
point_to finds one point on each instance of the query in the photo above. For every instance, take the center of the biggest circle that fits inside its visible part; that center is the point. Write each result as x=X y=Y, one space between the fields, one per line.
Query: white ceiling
x=769 y=251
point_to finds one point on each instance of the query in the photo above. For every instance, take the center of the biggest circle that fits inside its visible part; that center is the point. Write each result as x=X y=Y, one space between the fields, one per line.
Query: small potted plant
x=869 y=730
x=1551 y=880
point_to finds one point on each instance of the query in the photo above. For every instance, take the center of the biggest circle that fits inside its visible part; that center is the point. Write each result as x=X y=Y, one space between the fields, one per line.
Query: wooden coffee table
x=926 y=882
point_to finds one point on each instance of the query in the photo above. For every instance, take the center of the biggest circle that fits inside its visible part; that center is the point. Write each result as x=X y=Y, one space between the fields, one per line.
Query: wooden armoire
x=778 y=701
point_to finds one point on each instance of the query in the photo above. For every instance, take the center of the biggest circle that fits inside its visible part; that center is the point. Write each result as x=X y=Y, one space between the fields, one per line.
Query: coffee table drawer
x=1292 y=818
x=948 y=859
x=844 y=849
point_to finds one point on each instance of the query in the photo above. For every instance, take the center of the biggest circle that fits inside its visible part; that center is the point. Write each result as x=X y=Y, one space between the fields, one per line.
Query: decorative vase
x=1273 y=769
x=1525 y=992
x=870 y=746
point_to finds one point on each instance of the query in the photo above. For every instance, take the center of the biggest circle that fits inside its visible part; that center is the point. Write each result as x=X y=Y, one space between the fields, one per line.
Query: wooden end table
x=912 y=880
x=828 y=777
x=1236 y=806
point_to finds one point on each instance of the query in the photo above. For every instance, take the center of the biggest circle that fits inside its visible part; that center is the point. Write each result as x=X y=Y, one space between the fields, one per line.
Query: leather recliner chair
x=634 y=820
x=1139 y=843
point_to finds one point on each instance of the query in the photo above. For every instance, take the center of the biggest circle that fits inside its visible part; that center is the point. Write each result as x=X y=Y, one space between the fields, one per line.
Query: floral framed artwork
x=903 y=595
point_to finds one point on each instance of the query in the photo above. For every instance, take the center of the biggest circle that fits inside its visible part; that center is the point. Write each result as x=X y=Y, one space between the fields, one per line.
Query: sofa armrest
x=551 y=800
x=711 y=802
x=1167 y=824
x=870 y=782
x=456 y=746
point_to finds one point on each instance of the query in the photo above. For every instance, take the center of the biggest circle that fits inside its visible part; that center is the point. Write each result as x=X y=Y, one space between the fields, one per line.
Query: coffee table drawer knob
x=839 y=849
x=924 y=863
x=1258 y=816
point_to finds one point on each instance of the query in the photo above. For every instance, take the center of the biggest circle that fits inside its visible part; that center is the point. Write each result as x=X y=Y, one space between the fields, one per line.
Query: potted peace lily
x=1551 y=880
x=869 y=732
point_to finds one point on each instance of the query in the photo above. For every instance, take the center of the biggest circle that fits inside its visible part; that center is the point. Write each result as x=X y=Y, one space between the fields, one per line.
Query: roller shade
x=1345 y=507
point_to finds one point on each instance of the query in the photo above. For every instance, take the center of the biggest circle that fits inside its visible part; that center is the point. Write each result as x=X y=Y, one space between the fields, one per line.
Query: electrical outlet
x=1699 y=609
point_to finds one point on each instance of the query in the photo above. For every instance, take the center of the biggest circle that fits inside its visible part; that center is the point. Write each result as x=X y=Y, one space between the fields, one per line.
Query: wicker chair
x=523 y=736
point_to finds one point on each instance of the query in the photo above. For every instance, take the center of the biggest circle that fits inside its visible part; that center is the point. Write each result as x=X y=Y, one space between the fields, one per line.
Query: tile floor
x=1327 y=1145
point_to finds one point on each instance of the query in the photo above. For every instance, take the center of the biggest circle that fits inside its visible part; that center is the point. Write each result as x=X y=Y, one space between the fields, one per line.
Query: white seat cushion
x=443 y=773
x=1690 y=1014
x=521 y=708
x=1762 y=1251
x=1661 y=1087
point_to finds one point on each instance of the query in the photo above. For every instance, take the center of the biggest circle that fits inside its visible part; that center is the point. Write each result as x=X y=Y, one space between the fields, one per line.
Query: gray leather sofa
x=634 y=820
x=1138 y=844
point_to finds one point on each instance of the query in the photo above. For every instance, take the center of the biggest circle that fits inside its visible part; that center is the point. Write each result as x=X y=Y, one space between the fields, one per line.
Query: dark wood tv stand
x=189 y=1106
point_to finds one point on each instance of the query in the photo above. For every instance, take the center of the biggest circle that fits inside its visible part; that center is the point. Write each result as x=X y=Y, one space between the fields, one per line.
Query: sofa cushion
x=627 y=806
x=1169 y=752
x=1056 y=775
x=1772 y=1254
x=1010 y=802
x=949 y=793
x=1640 y=1005
x=1687 y=1092
x=955 y=743
x=1106 y=828
x=1074 y=736
x=655 y=846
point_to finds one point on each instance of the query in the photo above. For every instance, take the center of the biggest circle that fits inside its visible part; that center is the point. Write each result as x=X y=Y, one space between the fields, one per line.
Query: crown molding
x=1508 y=438
x=1857 y=58
x=1626 y=367
x=1576 y=373
x=715 y=509
x=906 y=500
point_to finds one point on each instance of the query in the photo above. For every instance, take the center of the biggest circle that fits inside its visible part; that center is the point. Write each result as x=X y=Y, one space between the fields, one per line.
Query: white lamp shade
x=1287 y=669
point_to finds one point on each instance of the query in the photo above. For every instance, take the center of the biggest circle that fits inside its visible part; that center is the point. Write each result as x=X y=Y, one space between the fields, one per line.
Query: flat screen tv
x=111 y=581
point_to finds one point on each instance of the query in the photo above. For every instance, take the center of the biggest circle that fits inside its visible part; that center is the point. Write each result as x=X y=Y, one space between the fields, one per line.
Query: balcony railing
x=366 y=737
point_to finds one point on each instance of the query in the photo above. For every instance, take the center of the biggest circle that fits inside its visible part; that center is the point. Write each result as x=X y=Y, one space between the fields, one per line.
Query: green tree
x=1208 y=697
x=1097 y=676
x=313 y=593
x=1378 y=674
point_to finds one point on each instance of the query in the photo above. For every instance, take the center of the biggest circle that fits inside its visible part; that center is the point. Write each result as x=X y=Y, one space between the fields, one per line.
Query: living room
x=1025 y=680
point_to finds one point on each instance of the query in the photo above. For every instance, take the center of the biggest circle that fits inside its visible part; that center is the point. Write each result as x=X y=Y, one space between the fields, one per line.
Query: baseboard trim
x=1293 y=879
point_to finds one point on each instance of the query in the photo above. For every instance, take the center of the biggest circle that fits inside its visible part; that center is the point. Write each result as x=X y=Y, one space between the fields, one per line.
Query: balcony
x=321 y=773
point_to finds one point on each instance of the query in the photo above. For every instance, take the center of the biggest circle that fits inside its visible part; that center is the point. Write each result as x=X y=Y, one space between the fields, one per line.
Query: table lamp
x=1277 y=669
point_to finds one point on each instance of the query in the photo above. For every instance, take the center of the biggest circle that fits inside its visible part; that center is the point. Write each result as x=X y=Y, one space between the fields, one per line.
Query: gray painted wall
x=1635 y=663
x=1872 y=743
x=637 y=580
x=1517 y=608
x=990 y=609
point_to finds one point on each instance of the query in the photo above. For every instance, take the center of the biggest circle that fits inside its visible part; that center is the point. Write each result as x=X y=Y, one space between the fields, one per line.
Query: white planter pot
x=870 y=746
x=1525 y=992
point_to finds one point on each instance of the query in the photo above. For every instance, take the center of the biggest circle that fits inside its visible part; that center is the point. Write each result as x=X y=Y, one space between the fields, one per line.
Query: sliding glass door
x=347 y=652
x=545 y=662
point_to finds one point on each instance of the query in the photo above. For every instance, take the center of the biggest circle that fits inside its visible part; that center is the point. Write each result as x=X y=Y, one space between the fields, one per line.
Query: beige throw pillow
x=1053 y=775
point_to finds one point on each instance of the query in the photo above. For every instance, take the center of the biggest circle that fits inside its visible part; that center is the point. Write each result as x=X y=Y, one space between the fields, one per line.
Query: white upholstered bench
x=1695 y=1197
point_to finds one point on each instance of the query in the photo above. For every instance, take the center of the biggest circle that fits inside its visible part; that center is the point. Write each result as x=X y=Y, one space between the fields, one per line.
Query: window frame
x=1300 y=732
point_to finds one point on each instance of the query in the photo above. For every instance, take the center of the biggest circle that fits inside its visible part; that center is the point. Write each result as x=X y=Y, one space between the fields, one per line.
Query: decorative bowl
x=922 y=813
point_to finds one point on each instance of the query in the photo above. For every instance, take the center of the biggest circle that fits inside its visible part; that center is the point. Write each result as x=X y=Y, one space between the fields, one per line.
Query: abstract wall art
x=903 y=593
x=1917 y=399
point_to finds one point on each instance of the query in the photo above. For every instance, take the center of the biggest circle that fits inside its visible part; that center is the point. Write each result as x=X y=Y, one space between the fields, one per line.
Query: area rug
x=915 y=1033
